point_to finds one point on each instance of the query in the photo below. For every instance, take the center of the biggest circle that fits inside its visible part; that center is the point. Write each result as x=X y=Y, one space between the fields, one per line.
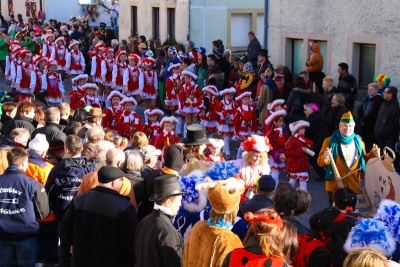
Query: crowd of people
x=93 y=182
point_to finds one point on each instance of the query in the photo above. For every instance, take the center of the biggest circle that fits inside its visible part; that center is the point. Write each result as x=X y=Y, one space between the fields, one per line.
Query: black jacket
x=138 y=185
x=368 y=111
x=334 y=116
x=147 y=206
x=317 y=130
x=52 y=131
x=19 y=122
x=256 y=203
x=252 y=49
x=101 y=224
x=4 y=119
x=157 y=242
x=387 y=123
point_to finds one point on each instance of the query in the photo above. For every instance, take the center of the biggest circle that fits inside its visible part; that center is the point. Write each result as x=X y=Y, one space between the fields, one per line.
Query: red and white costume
x=59 y=53
x=48 y=46
x=75 y=60
x=96 y=63
x=277 y=137
x=129 y=122
x=14 y=62
x=190 y=97
x=87 y=100
x=52 y=82
x=272 y=107
x=118 y=71
x=150 y=80
x=172 y=86
x=113 y=113
x=107 y=66
x=210 y=117
x=250 y=173
x=26 y=78
x=218 y=144
x=226 y=110
x=133 y=78
x=77 y=92
x=165 y=139
x=297 y=163
x=245 y=119
x=152 y=128
x=39 y=73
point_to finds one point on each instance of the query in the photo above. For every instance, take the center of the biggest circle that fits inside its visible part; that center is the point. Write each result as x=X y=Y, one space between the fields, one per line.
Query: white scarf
x=130 y=117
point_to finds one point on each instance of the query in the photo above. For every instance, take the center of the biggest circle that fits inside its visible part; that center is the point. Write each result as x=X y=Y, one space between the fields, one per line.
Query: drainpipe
x=188 y=34
x=266 y=3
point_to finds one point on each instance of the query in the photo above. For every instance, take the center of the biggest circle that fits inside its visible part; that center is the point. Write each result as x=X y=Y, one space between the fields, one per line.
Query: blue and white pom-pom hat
x=370 y=233
x=193 y=200
x=389 y=214
x=222 y=171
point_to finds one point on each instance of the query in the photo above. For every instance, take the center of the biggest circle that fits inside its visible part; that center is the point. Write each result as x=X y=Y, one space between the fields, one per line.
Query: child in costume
x=39 y=63
x=245 y=119
x=59 y=54
x=272 y=107
x=75 y=62
x=150 y=83
x=253 y=164
x=48 y=44
x=167 y=135
x=52 y=82
x=152 y=127
x=247 y=80
x=96 y=66
x=77 y=93
x=26 y=79
x=113 y=112
x=90 y=97
x=297 y=151
x=107 y=66
x=226 y=110
x=119 y=70
x=133 y=78
x=129 y=122
x=214 y=150
x=210 y=117
x=14 y=62
x=190 y=99
x=277 y=137
x=172 y=87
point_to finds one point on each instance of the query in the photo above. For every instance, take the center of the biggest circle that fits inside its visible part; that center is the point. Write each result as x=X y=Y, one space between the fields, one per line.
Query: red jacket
x=296 y=158
x=111 y=119
x=128 y=124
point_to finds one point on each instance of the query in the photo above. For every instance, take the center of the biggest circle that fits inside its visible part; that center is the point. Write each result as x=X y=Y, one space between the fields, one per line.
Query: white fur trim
x=61 y=38
x=211 y=89
x=75 y=42
x=227 y=91
x=217 y=143
x=295 y=126
x=274 y=115
x=80 y=77
x=190 y=74
x=245 y=94
x=115 y=93
x=200 y=205
x=90 y=86
x=128 y=100
x=275 y=103
x=171 y=119
x=174 y=66
x=154 y=111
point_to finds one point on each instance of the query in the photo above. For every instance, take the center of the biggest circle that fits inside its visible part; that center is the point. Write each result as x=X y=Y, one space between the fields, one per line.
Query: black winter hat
x=109 y=173
x=174 y=159
x=266 y=183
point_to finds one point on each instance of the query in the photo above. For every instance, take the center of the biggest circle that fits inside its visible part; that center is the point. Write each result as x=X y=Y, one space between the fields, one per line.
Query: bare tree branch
x=105 y=6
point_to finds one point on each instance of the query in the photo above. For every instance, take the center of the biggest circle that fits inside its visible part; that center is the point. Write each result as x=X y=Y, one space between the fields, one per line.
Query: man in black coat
x=387 y=124
x=100 y=224
x=263 y=199
x=157 y=242
x=252 y=49
x=52 y=130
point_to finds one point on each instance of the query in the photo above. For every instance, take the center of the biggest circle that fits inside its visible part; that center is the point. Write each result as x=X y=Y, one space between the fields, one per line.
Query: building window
x=296 y=63
x=156 y=23
x=240 y=27
x=366 y=64
x=134 y=21
x=171 y=22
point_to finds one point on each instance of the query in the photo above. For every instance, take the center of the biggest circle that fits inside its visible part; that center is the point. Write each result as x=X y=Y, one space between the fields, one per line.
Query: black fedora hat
x=263 y=52
x=196 y=135
x=166 y=186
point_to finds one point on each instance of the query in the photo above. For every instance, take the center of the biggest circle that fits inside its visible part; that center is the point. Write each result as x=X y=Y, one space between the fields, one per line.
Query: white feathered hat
x=277 y=102
x=245 y=94
x=128 y=100
x=153 y=111
x=211 y=89
x=274 y=115
x=80 y=77
x=177 y=65
x=216 y=143
x=295 y=126
x=115 y=93
x=171 y=119
x=227 y=91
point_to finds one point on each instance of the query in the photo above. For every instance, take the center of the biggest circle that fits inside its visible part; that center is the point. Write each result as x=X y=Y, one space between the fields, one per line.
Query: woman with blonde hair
x=3 y=159
x=270 y=241
x=139 y=140
x=366 y=257
x=253 y=164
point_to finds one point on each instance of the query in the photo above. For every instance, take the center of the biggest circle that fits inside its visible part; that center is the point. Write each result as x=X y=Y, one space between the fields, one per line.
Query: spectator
x=213 y=72
x=8 y=112
x=98 y=155
x=172 y=59
x=324 y=100
x=336 y=112
x=262 y=61
x=387 y=124
x=114 y=17
x=150 y=157
x=315 y=65
x=132 y=167
x=299 y=96
x=157 y=243
x=52 y=130
x=368 y=114
x=252 y=49
x=84 y=224
x=367 y=257
x=76 y=34
x=282 y=90
x=18 y=229
x=38 y=168
x=94 y=136
x=23 y=119
x=263 y=198
x=266 y=95
x=18 y=137
x=65 y=112
x=347 y=85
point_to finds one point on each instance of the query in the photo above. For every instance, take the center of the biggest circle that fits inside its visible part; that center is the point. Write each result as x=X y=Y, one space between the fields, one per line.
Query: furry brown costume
x=208 y=245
